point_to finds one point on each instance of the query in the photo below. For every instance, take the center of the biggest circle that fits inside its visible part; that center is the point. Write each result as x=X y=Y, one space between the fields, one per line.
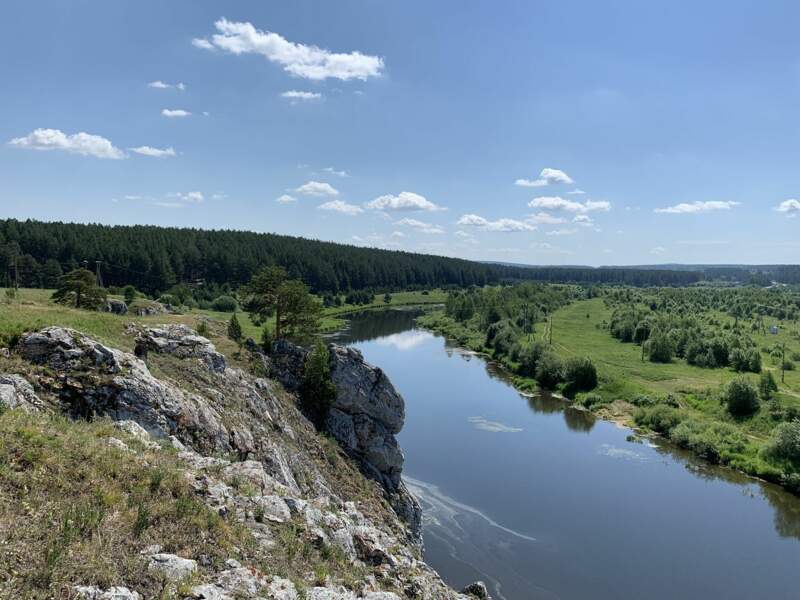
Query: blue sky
x=464 y=128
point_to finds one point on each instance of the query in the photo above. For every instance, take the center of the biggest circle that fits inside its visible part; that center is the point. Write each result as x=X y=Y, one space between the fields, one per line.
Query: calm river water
x=540 y=501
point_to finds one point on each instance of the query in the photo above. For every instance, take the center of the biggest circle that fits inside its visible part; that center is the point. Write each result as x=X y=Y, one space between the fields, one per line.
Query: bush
x=580 y=374
x=591 y=399
x=317 y=391
x=129 y=293
x=741 y=397
x=528 y=358
x=659 y=348
x=785 y=443
x=225 y=304
x=788 y=365
x=713 y=441
x=549 y=371
x=169 y=299
x=767 y=385
x=659 y=418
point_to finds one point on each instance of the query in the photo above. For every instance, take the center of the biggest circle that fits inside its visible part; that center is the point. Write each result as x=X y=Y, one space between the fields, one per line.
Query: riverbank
x=675 y=402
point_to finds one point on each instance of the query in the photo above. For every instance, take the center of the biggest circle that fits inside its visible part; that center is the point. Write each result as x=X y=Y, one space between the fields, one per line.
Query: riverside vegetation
x=713 y=370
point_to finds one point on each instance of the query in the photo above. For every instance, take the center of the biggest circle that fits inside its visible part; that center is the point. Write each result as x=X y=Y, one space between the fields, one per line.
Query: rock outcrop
x=16 y=392
x=117 y=307
x=182 y=342
x=275 y=472
x=364 y=417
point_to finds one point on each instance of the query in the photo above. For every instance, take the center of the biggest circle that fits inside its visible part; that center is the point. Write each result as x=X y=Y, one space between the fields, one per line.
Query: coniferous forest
x=155 y=258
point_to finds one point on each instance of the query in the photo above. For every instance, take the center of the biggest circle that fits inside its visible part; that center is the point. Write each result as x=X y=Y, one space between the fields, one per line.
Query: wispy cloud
x=154 y=152
x=285 y=199
x=559 y=203
x=175 y=113
x=160 y=85
x=341 y=207
x=333 y=171
x=658 y=250
x=420 y=226
x=296 y=95
x=84 y=144
x=546 y=177
x=317 y=188
x=404 y=201
x=300 y=60
x=543 y=218
x=697 y=207
x=558 y=232
x=576 y=192
x=504 y=225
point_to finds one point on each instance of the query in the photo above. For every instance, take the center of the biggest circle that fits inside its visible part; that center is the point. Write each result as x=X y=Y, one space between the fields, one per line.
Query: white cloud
x=285 y=199
x=160 y=85
x=420 y=226
x=154 y=152
x=576 y=192
x=658 y=250
x=583 y=220
x=404 y=201
x=697 y=207
x=543 y=218
x=333 y=171
x=546 y=177
x=559 y=203
x=175 y=113
x=791 y=207
x=375 y=240
x=341 y=207
x=504 y=225
x=201 y=43
x=300 y=60
x=298 y=95
x=81 y=143
x=398 y=234
x=188 y=197
x=562 y=232
x=317 y=188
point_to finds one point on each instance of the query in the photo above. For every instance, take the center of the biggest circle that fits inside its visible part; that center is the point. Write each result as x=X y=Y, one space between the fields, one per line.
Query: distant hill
x=155 y=258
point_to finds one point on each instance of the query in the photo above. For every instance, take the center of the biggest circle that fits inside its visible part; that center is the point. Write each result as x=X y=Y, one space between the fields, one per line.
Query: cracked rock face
x=183 y=342
x=16 y=392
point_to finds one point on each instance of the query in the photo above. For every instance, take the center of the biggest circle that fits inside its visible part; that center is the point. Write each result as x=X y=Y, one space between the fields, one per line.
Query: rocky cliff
x=249 y=456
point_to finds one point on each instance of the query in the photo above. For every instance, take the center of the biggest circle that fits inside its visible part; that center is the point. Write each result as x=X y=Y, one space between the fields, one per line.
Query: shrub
x=580 y=374
x=713 y=441
x=591 y=399
x=528 y=358
x=785 y=443
x=741 y=397
x=317 y=391
x=169 y=299
x=659 y=418
x=129 y=293
x=225 y=304
x=549 y=371
x=202 y=328
x=767 y=385
x=788 y=365
x=659 y=348
x=235 y=329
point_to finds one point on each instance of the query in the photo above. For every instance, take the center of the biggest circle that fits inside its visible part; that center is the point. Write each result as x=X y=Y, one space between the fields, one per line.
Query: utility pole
x=783 y=364
x=97 y=273
x=551 y=329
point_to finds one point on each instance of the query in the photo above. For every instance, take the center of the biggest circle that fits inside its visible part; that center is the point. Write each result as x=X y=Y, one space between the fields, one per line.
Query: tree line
x=154 y=259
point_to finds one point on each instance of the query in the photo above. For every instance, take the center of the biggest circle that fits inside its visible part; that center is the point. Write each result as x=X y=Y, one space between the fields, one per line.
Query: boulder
x=90 y=592
x=183 y=342
x=16 y=392
x=117 y=307
x=171 y=567
x=477 y=590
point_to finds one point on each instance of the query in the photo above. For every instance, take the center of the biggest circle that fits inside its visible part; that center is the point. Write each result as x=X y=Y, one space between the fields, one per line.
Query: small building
x=774 y=330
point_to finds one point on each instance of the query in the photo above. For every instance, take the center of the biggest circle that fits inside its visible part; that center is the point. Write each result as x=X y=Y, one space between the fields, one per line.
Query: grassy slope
x=33 y=310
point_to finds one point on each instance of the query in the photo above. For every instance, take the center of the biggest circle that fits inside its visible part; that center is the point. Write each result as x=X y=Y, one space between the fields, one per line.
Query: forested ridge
x=155 y=258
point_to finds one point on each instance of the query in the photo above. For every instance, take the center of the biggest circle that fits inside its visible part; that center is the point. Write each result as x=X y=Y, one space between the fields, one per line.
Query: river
x=542 y=501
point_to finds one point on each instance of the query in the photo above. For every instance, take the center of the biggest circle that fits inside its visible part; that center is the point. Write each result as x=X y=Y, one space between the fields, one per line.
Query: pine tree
x=235 y=330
